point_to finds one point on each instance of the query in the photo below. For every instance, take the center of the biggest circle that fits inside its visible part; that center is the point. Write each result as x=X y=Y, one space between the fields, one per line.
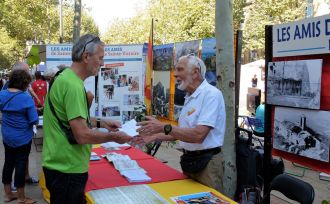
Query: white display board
x=305 y=37
x=120 y=81
x=60 y=54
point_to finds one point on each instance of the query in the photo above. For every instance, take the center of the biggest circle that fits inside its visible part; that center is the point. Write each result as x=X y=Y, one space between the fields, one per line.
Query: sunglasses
x=96 y=39
x=199 y=65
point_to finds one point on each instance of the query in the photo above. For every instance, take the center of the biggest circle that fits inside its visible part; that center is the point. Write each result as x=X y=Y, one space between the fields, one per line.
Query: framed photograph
x=163 y=57
x=161 y=94
x=302 y=132
x=295 y=83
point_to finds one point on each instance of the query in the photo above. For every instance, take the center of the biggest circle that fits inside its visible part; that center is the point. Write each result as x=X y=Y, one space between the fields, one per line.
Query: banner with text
x=305 y=37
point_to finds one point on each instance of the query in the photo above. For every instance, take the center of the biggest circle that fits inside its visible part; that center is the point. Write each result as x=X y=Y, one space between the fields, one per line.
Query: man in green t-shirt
x=65 y=164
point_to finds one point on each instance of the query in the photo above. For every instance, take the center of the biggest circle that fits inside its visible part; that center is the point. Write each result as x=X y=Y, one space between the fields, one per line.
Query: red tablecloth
x=102 y=174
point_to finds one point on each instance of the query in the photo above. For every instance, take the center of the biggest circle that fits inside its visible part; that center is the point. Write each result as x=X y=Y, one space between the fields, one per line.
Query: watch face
x=167 y=128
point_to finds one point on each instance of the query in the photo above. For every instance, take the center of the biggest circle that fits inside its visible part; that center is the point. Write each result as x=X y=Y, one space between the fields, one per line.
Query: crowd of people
x=69 y=133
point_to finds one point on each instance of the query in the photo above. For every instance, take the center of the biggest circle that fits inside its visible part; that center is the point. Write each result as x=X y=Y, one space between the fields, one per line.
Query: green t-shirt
x=69 y=100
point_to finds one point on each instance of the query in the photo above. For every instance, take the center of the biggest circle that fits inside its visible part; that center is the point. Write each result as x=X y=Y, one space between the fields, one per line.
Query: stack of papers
x=94 y=157
x=130 y=128
x=128 y=167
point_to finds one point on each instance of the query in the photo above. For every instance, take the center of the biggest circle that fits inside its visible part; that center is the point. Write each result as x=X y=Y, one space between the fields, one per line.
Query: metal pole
x=61 y=23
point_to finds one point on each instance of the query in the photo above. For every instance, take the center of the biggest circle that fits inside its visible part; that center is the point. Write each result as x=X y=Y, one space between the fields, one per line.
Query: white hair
x=51 y=71
x=195 y=62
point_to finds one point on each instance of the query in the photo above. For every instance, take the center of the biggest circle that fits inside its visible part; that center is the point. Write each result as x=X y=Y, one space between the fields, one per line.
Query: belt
x=214 y=150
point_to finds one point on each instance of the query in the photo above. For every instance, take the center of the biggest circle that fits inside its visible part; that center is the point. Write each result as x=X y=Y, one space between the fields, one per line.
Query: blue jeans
x=65 y=188
x=15 y=158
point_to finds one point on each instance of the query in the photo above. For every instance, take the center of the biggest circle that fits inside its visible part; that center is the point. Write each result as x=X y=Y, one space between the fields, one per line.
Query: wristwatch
x=98 y=122
x=167 y=129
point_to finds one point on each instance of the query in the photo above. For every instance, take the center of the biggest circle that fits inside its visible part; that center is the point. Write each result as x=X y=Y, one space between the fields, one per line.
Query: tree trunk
x=76 y=20
x=226 y=83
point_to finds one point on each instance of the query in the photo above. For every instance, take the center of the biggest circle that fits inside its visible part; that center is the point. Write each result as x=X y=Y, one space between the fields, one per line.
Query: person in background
x=201 y=125
x=18 y=117
x=254 y=81
x=23 y=66
x=39 y=86
x=49 y=74
x=64 y=161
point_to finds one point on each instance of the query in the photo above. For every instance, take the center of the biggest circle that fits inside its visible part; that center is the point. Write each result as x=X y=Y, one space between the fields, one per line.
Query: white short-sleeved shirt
x=204 y=107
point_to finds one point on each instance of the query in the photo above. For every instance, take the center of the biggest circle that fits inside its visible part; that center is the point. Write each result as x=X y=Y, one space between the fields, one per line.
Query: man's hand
x=150 y=126
x=110 y=125
x=122 y=137
x=143 y=140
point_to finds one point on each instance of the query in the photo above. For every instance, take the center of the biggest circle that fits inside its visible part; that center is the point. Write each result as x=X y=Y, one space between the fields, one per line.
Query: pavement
x=167 y=153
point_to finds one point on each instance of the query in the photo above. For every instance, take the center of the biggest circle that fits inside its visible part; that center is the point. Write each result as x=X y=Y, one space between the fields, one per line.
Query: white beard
x=184 y=83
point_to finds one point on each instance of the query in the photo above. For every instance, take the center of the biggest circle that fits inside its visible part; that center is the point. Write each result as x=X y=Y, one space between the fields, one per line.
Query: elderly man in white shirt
x=201 y=126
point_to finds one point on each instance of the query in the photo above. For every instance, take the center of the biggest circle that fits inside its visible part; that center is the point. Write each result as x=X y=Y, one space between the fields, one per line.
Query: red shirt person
x=39 y=86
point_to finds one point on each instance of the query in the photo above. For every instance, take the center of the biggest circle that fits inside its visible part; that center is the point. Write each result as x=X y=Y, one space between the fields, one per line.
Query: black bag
x=195 y=163
x=248 y=163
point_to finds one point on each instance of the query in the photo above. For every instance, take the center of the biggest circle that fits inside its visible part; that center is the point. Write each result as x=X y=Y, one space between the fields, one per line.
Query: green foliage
x=38 y=21
x=269 y=12
x=238 y=13
x=174 y=21
x=8 y=50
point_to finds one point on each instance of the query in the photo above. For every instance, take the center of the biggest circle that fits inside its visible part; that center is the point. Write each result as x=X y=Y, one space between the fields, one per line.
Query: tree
x=9 y=50
x=226 y=69
x=174 y=21
x=269 y=12
x=36 y=21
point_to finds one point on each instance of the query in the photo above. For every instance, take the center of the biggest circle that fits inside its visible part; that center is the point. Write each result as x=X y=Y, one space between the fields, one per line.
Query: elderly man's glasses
x=96 y=39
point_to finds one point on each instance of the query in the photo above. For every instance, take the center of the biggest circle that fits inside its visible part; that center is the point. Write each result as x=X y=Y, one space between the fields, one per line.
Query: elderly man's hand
x=110 y=125
x=122 y=137
x=143 y=140
x=150 y=126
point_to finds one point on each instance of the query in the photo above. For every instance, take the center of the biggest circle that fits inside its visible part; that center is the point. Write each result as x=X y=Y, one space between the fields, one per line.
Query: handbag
x=195 y=163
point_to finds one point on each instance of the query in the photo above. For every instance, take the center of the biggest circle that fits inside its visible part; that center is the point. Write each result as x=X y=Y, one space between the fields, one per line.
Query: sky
x=105 y=11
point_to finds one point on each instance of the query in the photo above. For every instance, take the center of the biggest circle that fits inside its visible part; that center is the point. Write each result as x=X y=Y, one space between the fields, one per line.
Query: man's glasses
x=96 y=39
x=195 y=57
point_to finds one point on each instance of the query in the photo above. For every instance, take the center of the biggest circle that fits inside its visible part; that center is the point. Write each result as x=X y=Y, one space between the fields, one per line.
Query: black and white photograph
x=128 y=115
x=295 y=83
x=161 y=94
x=131 y=99
x=302 y=132
x=108 y=91
x=185 y=48
x=163 y=57
x=109 y=111
x=177 y=112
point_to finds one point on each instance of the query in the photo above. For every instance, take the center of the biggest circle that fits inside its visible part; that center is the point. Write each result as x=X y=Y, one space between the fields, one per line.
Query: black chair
x=293 y=188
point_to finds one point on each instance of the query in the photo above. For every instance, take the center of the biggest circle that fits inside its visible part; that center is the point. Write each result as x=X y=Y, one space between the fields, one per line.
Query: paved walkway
x=171 y=155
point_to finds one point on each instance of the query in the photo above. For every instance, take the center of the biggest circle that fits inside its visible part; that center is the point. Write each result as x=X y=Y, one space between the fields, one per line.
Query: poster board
x=120 y=82
x=313 y=44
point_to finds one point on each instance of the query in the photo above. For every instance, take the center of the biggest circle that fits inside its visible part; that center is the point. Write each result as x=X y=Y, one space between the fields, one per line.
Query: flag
x=148 y=77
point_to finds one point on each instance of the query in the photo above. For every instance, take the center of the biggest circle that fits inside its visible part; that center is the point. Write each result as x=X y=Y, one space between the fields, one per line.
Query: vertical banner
x=120 y=84
x=148 y=76
x=208 y=56
x=163 y=62
x=181 y=49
